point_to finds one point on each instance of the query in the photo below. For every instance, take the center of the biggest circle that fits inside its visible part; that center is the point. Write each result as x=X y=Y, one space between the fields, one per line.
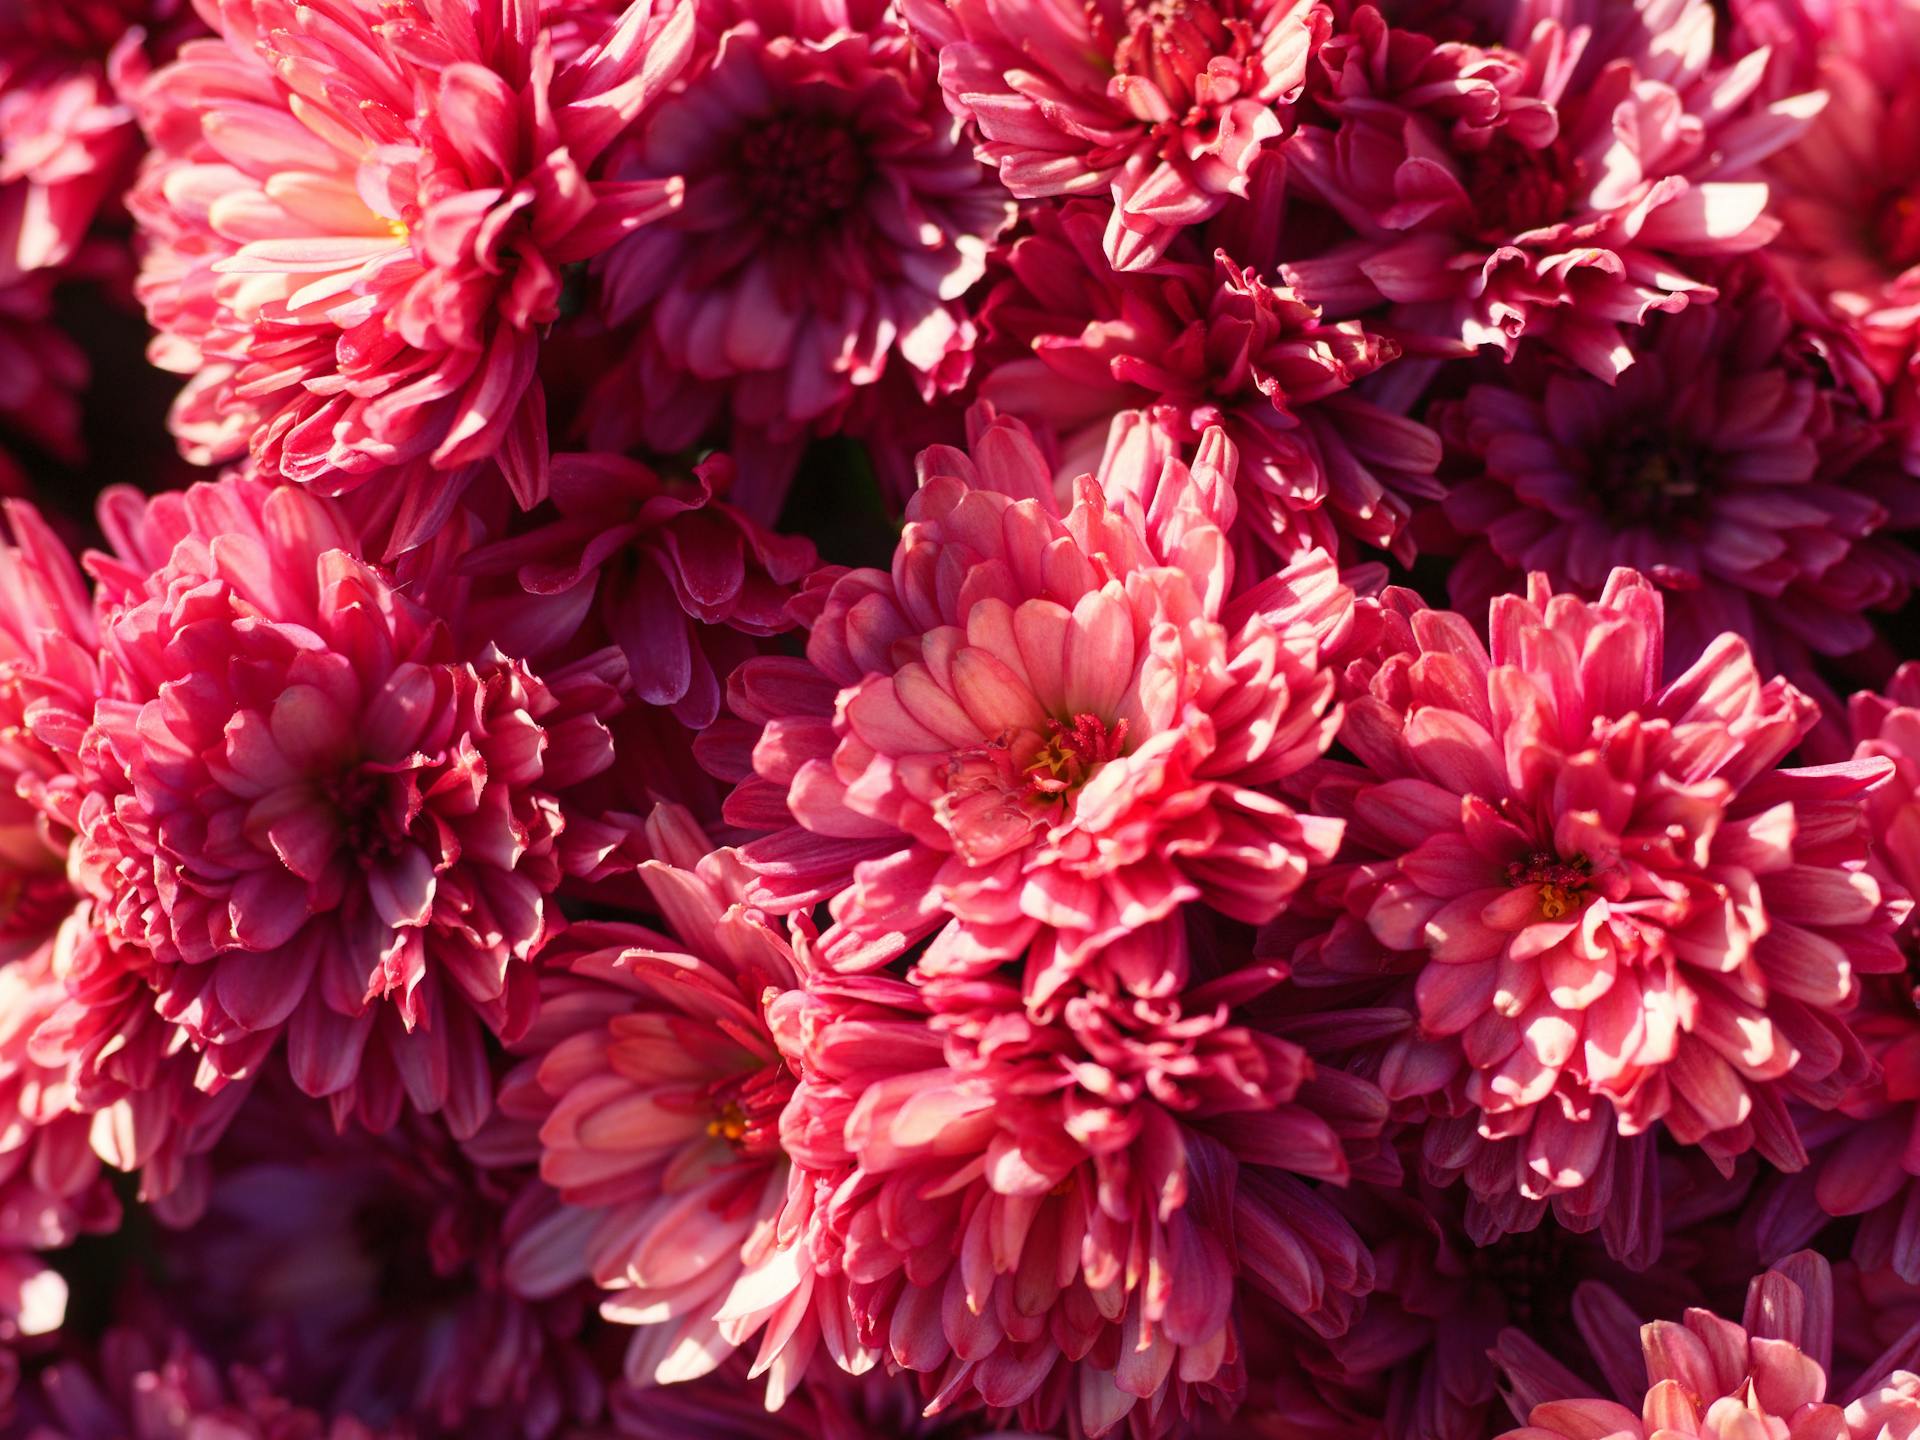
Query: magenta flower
x=1165 y=108
x=1050 y=1208
x=1724 y=465
x=1559 y=189
x=1708 y=1377
x=1845 y=193
x=68 y=141
x=300 y=810
x=1617 y=910
x=1864 y=1157
x=1196 y=346
x=370 y=1273
x=51 y=1188
x=356 y=222
x=834 y=218
x=657 y=1088
x=1043 y=733
x=677 y=577
x=143 y=1388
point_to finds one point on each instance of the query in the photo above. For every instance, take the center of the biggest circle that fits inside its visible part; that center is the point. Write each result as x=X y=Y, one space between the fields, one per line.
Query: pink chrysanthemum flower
x=371 y=1275
x=1165 y=107
x=834 y=218
x=1417 y=1364
x=68 y=141
x=1847 y=194
x=357 y=217
x=1045 y=732
x=299 y=809
x=1865 y=1161
x=677 y=577
x=1724 y=464
x=142 y=1388
x=1051 y=1207
x=1768 y=1376
x=1197 y=346
x=1620 y=913
x=659 y=1092
x=83 y=1035
x=51 y=1190
x=1559 y=189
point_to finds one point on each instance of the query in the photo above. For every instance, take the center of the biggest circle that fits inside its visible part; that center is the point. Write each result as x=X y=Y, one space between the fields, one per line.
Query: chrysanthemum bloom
x=1560 y=189
x=51 y=1189
x=357 y=217
x=1165 y=107
x=1416 y=1365
x=144 y=1388
x=1725 y=465
x=1865 y=1161
x=1195 y=346
x=834 y=218
x=677 y=577
x=368 y=1274
x=1051 y=1208
x=67 y=136
x=82 y=1031
x=300 y=809
x=1042 y=734
x=660 y=1097
x=1619 y=912
x=1705 y=1376
x=1847 y=193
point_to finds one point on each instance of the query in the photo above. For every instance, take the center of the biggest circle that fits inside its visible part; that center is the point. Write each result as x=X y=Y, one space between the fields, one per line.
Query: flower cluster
x=1105 y=720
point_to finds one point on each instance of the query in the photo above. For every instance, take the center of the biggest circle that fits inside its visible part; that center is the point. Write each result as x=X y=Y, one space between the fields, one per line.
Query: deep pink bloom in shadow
x=1769 y=1375
x=835 y=217
x=1726 y=465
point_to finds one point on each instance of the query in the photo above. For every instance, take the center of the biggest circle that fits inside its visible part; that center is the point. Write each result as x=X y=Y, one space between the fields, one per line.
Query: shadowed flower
x=67 y=136
x=677 y=577
x=834 y=217
x=1865 y=1160
x=1617 y=911
x=357 y=217
x=369 y=1275
x=300 y=810
x=1847 y=193
x=1163 y=104
x=139 y=1388
x=1044 y=733
x=1559 y=189
x=1725 y=465
x=1704 y=1376
x=1196 y=346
